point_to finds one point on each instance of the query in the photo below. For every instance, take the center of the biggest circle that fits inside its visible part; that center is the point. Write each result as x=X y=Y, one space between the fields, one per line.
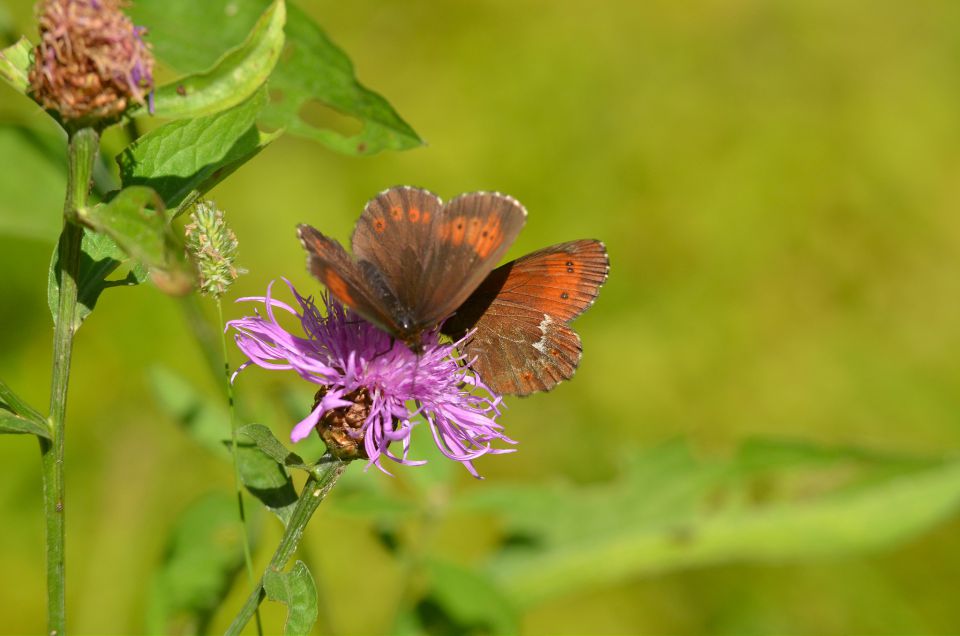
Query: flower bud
x=213 y=248
x=91 y=60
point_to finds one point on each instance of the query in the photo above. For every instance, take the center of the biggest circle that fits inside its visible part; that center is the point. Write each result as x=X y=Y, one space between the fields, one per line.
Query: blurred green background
x=777 y=184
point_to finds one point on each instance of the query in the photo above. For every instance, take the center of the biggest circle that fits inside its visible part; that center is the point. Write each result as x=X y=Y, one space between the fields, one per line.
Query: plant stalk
x=237 y=481
x=321 y=479
x=81 y=154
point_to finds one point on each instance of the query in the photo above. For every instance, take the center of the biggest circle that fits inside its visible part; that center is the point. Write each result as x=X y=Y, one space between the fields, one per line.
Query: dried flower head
x=213 y=248
x=91 y=60
x=371 y=386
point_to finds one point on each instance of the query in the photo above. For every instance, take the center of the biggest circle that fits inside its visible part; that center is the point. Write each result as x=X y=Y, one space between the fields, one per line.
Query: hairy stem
x=81 y=154
x=322 y=478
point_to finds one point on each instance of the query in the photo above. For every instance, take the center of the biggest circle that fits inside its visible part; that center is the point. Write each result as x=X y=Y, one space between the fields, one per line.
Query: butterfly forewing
x=394 y=234
x=359 y=288
x=474 y=232
x=522 y=343
x=432 y=256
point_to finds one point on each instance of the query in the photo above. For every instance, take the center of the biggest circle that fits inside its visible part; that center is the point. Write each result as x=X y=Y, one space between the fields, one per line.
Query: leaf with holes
x=234 y=78
x=312 y=70
x=315 y=69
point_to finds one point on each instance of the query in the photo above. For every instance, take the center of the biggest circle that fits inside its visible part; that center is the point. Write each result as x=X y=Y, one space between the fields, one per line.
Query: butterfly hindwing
x=522 y=343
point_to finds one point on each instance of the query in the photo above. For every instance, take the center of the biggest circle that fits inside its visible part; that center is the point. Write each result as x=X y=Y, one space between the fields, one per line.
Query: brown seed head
x=91 y=60
x=341 y=428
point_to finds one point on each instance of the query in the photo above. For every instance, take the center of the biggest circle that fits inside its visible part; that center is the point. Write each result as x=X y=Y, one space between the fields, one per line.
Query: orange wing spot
x=413 y=214
x=379 y=225
x=488 y=237
x=459 y=226
x=396 y=213
x=338 y=287
x=426 y=216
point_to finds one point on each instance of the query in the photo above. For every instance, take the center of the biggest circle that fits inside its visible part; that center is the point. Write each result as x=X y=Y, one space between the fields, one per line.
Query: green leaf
x=100 y=256
x=32 y=208
x=204 y=420
x=233 y=79
x=15 y=61
x=314 y=69
x=135 y=220
x=771 y=503
x=14 y=424
x=13 y=402
x=203 y=556
x=271 y=446
x=296 y=589
x=264 y=477
x=186 y=158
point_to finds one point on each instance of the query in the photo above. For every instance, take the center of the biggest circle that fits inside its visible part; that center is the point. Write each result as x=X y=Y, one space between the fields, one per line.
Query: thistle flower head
x=213 y=248
x=91 y=60
x=371 y=386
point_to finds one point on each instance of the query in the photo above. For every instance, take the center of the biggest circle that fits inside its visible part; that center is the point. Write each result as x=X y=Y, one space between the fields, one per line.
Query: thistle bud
x=91 y=60
x=213 y=248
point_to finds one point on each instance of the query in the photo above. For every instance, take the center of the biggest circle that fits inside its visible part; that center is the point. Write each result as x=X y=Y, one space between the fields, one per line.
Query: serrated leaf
x=15 y=63
x=191 y=35
x=186 y=158
x=234 y=78
x=204 y=420
x=100 y=256
x=203 y=556
x=671 y=511
x=32 y=208
x=297 y=590
x=135 y=220
x=264 y=477
x=11 y=423
x=266 y=442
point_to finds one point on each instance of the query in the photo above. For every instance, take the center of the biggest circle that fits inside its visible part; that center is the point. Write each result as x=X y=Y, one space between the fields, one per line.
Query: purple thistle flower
x=367 y=381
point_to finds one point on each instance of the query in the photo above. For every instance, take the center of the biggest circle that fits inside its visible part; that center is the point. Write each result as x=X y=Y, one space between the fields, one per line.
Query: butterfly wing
x=358 y=287
x=522 y=343
x=432 y=256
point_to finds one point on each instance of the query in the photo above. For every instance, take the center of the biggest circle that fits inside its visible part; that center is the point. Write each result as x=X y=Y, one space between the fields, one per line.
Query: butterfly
x=418 y=262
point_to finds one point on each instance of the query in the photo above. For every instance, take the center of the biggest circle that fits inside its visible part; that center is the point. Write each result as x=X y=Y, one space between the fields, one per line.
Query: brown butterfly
x=418 y=263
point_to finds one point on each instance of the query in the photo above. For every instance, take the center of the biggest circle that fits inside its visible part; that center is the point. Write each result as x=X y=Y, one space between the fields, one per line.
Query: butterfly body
x=418 y=263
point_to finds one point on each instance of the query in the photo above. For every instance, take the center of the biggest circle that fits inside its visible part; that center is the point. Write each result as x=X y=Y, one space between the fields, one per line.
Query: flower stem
x=247 y=556
x=81 y=154
x=321 y=479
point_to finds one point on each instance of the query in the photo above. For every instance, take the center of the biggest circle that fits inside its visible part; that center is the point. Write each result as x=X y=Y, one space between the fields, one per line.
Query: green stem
x=322 y=478
x=247 y=556
x=81 y=154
